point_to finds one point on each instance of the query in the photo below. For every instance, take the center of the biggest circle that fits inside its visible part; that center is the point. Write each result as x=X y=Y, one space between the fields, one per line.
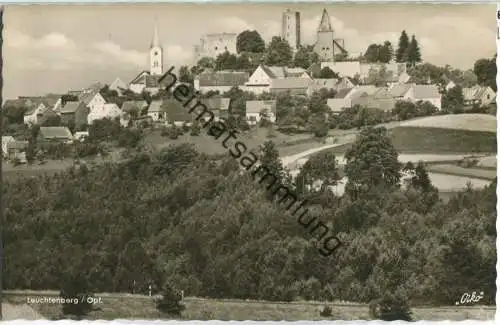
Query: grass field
x=142 y=307
x=470 y=122
x=252 y=139
x=440 y=141
x=449 y=169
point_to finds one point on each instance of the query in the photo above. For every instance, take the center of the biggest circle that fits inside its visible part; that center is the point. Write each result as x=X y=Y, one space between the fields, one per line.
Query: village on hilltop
x=243 y=79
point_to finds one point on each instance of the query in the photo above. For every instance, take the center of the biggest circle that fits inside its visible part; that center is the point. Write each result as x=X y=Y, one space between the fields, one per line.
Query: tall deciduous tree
x=486 y=71
x=372 y=161
x=250 y=41
x=321 y=167
x=386 y=52
x=305 y=57
x=372 y=53
x=327 y=73
x=278 y=53
x=226 y=61
x=185 y=75
x=404 y=43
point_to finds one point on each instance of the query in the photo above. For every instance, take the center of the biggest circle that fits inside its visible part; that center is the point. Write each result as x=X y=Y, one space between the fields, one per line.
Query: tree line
x=192 y=220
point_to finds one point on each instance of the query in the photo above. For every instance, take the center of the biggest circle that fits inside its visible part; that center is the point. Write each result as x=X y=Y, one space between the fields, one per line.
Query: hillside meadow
x=143 y=307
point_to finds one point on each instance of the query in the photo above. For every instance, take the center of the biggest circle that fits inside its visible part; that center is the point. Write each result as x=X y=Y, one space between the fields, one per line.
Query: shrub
x=390 y=308
x=76 y=288
x=326 y=312
x=171 y=301
x=195 y=129
x=165 y=132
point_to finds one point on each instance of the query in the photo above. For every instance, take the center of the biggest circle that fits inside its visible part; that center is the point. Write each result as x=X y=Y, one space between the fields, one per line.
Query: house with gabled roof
x=217 y=105
x=478 y=95
x=37 y=108
x=345 y=83
x=262 y=78
x=145 y=81
x=416 y=93
x=134 y=107
x=93 y=99
x=176 y=114
x=344 y=97
x=157 y=111
x=109 y=110
x=318 y=84
x=119 y=86
x=340 y=101
x=294 y=85
x=74 y=113
x=380 y=99
x=256 y=110
x=14 y=149
x=221 y=81
x=54 y=134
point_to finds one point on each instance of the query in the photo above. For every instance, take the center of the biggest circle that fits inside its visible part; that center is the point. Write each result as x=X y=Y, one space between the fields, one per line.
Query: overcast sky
x=57 y=48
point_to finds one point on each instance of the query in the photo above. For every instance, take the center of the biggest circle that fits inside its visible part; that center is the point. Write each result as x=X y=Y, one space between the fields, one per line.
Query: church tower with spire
x=326 y=46
x=156 y=56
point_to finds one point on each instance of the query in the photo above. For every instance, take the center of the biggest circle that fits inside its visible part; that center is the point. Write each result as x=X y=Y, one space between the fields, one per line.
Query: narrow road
x=289 y=161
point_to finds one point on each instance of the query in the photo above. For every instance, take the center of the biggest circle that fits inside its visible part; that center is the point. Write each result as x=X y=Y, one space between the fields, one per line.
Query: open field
x=449 y=169
x=142 y=307
x=488 y=162
x=252 y=139
x=470 y=122
x=441 y=140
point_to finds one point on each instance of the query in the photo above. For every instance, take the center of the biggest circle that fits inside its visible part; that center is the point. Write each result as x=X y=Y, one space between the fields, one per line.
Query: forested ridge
x=199 y=223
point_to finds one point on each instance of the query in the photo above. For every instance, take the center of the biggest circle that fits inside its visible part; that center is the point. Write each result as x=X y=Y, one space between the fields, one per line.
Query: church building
x=326 y=46
x=148 y=80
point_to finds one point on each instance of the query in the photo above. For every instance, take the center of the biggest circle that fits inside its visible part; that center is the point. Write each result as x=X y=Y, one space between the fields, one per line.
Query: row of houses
x=13 y=148
x=385 y=98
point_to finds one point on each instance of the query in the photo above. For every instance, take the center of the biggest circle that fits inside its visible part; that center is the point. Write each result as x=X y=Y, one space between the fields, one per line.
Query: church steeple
x=155 y=41
x=156 y=55
x=324 y=25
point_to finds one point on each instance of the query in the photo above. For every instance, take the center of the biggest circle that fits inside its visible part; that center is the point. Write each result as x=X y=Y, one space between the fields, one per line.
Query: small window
x=215 y=48
x=488 y=96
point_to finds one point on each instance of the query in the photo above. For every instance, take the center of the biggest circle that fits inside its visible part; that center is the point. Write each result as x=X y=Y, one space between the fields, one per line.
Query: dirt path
x=16 y=312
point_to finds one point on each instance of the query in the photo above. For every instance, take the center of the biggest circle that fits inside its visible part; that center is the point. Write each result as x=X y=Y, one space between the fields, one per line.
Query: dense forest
x=200 y=223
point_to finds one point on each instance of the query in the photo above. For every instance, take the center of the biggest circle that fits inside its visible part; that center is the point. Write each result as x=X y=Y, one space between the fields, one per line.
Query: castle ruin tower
x=156 y=56
x=290 y=28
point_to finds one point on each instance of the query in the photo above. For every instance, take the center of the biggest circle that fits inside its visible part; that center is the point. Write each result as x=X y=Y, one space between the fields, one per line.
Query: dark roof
x=217 y=103
x=152 y=81
x=16 y=144
x=176 y=112
x=139 y=79
x=87 y=96
x=257 y=106
x=223 y=78
x=71 y=107
x=55 y=132
x=16 y=103
x=133 y=105
x=343 y=92
x=155 y=106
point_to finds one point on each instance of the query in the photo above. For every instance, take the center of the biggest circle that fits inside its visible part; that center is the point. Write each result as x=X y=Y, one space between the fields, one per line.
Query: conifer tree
x=413 y=55
x=401 y=53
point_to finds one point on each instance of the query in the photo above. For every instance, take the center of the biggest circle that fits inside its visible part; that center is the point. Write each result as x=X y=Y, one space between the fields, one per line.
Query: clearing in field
x=471 y=122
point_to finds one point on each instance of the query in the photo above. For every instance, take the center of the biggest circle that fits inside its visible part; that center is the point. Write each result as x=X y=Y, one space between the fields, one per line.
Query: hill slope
x=471 y=122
